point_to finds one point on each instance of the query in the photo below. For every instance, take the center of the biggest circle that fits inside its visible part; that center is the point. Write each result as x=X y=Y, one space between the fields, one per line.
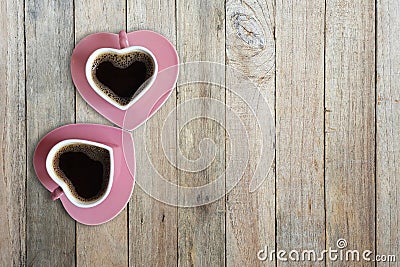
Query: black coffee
x=122 y=77
x=85 y=168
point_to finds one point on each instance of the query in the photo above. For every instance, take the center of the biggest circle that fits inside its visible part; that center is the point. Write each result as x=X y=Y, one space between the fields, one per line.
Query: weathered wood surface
x=153 y=224
x=330 y=72
x=250 y=50
x=388 y=129
x=107 y=244
x=200 y=37
x=50 y=100
x=300 y=213
x=12 y=136
x=350 y=125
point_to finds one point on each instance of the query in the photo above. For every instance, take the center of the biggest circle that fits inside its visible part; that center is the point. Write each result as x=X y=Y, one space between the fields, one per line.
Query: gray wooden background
x=330 y=68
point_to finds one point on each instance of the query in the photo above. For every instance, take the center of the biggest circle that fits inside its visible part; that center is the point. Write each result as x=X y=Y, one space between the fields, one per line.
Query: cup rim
x=93 y=56
x=64 y=186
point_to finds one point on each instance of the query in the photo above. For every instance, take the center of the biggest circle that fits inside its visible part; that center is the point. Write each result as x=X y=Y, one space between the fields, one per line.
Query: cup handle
x=56 y=194
x=123 y=39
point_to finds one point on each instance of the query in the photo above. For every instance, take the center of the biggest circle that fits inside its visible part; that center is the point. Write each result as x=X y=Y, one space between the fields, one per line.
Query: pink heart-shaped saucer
x=152 y=100
x=122 y=187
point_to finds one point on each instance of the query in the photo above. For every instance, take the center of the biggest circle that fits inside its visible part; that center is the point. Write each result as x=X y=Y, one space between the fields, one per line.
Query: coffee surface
x=85 y=168
x=122 y=77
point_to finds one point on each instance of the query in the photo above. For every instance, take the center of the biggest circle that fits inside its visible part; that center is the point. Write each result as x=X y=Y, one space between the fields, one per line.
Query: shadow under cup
x=82 y=169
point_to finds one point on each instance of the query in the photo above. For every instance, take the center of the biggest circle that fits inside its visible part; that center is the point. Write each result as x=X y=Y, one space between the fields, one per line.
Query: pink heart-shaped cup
x=155 y=95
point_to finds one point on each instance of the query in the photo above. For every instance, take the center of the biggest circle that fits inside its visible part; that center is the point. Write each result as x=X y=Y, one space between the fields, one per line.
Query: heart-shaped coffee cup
x=155 y=96
x=83 y=170
x=121 y=76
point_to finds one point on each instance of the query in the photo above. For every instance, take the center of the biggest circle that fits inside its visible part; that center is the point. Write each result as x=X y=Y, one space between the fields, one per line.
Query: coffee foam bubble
x=93 y=152
x=122 y=62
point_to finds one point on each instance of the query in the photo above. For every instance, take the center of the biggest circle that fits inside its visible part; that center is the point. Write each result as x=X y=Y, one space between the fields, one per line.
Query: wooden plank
x=110 y=239
x=50 y=103
x=152 y=224
x=350 y=124
x=12 y=136
x=201 y=37
x=299 y=125
x=388 y=129
x=250 y=49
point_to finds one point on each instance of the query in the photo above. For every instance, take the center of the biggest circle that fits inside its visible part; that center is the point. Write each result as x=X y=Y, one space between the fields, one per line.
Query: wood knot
x=249 y=30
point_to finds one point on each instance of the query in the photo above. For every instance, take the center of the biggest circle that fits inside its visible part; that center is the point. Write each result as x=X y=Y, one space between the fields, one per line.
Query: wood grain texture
x=200 y=37
x=250 y=49
x=299 y=125
x=388 y=129
x=50 y=103
x=350 y=124
x=110 y=238
x=12 y=136
x=153 y=224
